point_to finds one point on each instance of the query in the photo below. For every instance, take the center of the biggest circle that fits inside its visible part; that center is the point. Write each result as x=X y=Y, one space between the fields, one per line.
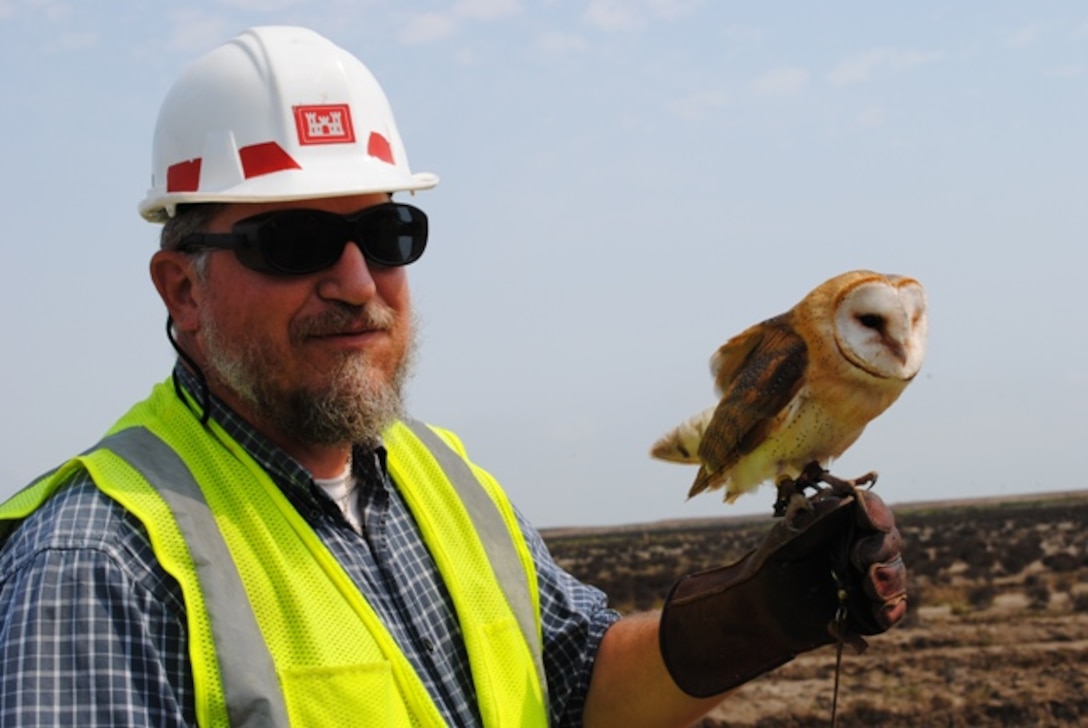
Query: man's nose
x=349 y=279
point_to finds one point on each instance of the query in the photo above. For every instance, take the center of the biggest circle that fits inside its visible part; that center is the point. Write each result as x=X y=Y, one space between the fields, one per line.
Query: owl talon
x=841 y=486
x=790 y=490
x=868 y=480
x=810 y=478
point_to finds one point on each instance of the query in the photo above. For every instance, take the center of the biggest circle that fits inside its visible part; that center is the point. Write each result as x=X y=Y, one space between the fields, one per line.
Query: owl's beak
x=896 y=348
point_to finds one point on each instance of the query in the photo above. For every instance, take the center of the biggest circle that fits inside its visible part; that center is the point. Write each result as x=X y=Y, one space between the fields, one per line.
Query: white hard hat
x=277 y=113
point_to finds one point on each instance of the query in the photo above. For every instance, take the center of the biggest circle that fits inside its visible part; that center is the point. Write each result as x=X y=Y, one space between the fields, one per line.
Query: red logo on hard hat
x=327 y=124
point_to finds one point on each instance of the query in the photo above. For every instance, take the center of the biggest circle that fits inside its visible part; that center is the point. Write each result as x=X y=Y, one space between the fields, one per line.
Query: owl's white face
x=880 y=327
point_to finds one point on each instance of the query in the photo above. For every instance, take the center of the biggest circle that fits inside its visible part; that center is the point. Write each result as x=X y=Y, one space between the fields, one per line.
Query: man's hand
x=831 y=569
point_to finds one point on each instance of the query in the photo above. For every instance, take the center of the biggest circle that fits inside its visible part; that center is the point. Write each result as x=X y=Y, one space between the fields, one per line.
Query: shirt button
x=428 y=644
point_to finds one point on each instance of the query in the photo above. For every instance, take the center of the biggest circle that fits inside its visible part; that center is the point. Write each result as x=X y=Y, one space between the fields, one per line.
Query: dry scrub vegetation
x=997 y=634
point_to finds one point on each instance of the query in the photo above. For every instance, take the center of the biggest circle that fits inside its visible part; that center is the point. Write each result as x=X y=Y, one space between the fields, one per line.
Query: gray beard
x=351 y=408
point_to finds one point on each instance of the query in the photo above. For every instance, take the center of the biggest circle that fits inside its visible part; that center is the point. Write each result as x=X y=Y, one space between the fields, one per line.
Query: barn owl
x=798 y=389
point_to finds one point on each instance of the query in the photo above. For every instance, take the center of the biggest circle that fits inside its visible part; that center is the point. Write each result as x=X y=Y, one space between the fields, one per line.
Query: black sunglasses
x=302 y=241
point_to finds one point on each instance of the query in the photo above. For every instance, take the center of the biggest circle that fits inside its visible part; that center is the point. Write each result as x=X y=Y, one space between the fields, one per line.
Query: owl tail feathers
x=681 y=444
x=703 y=480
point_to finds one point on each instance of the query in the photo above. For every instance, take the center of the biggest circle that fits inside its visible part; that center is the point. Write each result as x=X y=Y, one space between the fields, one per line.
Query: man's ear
x=175 y=278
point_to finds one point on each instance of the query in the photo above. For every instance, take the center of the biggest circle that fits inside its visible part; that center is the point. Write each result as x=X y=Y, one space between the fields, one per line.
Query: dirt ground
x=997 y=634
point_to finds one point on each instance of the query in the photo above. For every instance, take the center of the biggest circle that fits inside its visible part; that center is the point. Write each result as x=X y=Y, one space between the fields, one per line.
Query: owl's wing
x=731 y=356
x=758 y=373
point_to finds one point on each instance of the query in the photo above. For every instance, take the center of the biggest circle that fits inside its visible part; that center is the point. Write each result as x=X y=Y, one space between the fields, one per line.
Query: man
x=267 y=540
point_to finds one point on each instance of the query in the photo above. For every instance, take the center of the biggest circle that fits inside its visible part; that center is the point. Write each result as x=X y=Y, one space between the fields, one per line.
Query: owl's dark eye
x=871 y=321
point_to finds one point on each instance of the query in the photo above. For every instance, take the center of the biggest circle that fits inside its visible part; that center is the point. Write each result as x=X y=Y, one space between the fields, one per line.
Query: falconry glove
x=829 y=571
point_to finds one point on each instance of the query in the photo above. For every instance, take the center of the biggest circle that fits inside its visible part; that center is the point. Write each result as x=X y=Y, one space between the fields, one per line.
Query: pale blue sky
x=625 y=184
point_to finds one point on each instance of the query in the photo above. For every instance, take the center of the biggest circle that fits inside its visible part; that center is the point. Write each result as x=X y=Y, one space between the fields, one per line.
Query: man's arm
x=831 y=571
x=630 y=686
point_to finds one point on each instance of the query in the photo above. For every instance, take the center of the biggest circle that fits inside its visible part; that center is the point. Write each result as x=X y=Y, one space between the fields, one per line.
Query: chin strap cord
x=205 y=393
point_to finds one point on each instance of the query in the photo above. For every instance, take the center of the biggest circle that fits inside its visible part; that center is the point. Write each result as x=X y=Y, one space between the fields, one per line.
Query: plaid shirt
x=93 y=630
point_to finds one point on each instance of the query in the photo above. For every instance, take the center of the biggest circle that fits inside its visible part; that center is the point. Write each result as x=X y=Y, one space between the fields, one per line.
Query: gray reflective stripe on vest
x=251 y=689
x=498 y=544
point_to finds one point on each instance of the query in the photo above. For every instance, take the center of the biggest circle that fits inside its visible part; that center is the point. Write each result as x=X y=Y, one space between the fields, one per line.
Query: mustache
x=343 y=317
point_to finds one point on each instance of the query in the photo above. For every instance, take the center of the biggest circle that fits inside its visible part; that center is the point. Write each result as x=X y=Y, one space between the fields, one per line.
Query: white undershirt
x=342 y=490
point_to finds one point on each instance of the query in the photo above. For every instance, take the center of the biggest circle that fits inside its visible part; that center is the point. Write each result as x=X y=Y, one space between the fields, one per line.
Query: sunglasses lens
x=393 y=234
x=299 y=242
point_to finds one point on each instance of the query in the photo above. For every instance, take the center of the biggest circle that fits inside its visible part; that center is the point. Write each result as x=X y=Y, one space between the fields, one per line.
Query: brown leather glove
x=829 y=570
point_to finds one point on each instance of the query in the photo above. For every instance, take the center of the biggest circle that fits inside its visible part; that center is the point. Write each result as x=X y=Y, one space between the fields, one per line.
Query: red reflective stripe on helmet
x=183 y=176
x=265 y=158
x=378 y=146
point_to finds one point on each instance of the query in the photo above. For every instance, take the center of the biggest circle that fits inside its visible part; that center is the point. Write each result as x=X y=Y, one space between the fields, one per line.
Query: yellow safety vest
x=303 y=647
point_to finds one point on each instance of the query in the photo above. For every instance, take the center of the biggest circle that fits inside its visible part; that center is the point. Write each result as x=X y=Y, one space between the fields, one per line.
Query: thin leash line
x=838 y=624
x=835 y=690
